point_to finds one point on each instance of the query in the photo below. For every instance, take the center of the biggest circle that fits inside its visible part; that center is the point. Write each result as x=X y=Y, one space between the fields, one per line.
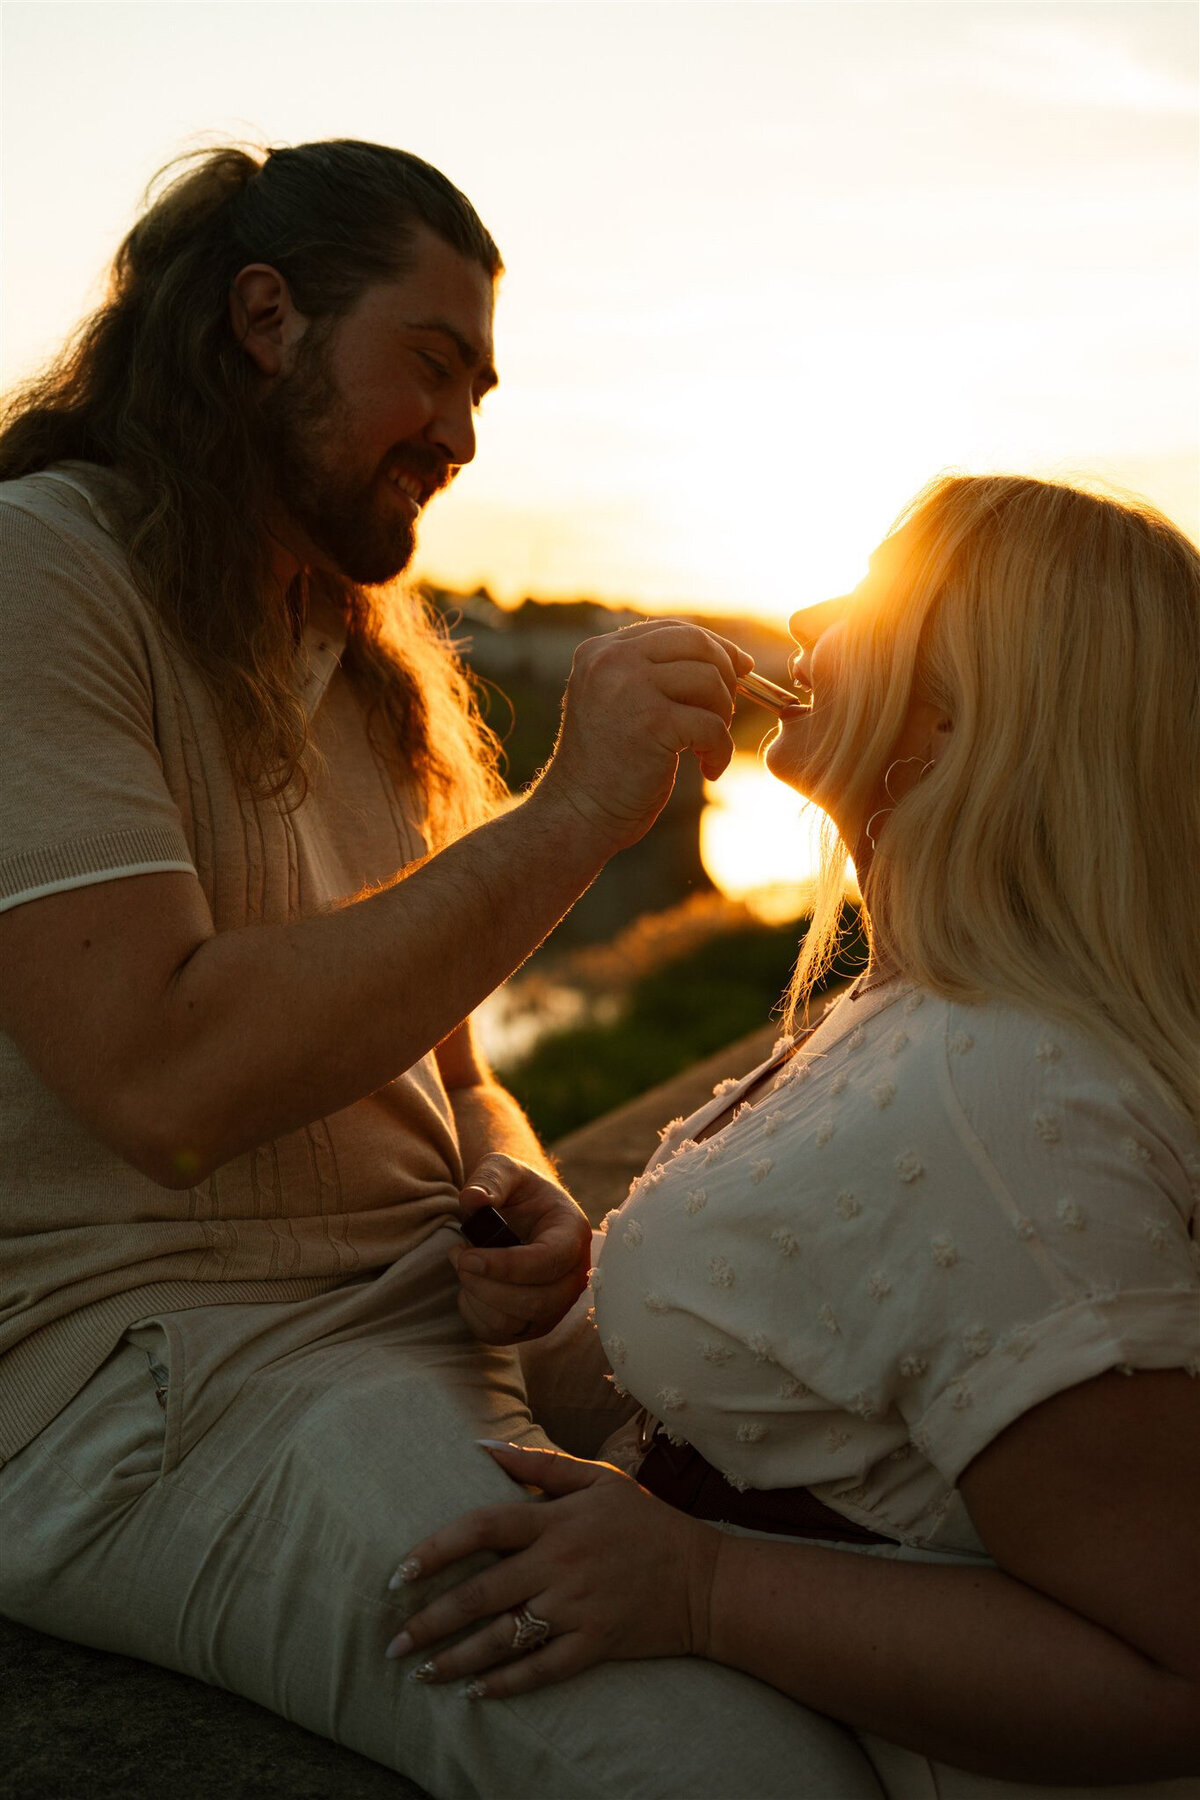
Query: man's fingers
x=703 y=733
x=553 y=1258
x=507 y=1314
x=477 y=1193
x=636 y=699
x=698 y=684
x=741 y=659
x=510 y=1292
x=494 y=1178
x=675 y=641
x=668 y=631
x=521 y=1299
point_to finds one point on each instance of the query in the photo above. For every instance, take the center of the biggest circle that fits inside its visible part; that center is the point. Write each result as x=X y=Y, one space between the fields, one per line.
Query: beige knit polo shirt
x=112 y=765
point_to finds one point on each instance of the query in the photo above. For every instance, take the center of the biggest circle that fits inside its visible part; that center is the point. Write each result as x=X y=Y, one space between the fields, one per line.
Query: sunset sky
x=771 y=266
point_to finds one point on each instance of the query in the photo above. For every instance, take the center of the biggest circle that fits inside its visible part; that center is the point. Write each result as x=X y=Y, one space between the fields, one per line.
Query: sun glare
x=759 y=842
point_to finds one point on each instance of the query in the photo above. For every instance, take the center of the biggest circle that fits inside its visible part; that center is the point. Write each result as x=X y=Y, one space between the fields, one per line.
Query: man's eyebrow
x=471 y=356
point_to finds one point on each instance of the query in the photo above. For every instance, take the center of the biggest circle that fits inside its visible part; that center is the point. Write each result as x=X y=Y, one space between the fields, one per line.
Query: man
x=254 y=883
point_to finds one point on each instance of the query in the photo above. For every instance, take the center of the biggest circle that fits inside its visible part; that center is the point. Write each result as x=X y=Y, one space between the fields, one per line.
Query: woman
x=923 y=1293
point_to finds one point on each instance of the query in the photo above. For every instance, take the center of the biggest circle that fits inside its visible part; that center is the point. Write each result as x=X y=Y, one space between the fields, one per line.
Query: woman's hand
x=612 y=1572
x=508 y=1296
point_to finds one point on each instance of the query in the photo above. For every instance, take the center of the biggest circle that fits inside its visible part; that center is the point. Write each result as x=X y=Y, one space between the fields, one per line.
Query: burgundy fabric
x=679 y=1475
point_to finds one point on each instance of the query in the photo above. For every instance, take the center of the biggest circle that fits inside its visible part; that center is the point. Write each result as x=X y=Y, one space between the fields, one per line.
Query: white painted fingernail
x=496 y=1444
x=408 y=1571
x=474 y=1690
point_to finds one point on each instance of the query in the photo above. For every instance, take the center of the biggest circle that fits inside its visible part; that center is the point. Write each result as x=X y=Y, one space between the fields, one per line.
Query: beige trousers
x=244 y=1532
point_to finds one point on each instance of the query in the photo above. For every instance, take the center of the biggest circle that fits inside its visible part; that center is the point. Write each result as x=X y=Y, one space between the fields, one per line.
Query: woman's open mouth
x=798 y=673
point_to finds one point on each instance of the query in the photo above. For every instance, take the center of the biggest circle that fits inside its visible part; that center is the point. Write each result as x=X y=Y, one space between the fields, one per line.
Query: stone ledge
x=81 y=1724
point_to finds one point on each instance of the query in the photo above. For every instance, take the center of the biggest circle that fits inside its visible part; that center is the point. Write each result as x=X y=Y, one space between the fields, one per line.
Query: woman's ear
x=265 y=320
x=936 y=728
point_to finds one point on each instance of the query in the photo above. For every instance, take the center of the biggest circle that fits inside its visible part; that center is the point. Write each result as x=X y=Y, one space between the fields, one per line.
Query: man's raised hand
x=637 y=698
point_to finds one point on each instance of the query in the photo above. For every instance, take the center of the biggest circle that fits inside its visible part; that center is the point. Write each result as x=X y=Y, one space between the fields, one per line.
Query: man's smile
x=418 y=484
x=408 y=484
x=410 y=490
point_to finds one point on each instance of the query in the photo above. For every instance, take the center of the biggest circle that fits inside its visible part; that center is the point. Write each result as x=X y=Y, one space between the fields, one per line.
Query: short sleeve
x=1073 y=1245
x=83 y=797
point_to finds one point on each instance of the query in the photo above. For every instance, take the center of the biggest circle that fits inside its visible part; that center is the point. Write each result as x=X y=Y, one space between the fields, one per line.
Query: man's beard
x=354 y=519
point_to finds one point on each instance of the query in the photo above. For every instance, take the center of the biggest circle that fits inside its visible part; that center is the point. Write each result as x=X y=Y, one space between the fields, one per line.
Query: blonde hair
x=1051 y=858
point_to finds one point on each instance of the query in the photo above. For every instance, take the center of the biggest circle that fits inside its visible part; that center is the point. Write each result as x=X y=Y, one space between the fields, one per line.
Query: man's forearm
x=269 y=1027
x=182 y=1046
x=967 y=1666
x=489 y=1118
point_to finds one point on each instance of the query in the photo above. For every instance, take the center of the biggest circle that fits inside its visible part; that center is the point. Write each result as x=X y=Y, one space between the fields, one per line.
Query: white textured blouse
x=934 y=1218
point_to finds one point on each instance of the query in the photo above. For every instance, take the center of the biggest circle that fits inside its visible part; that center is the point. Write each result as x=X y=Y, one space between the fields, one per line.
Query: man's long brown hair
x=155 y=387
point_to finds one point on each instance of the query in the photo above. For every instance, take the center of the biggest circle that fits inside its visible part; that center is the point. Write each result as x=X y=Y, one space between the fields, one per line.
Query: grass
x=672 y=1016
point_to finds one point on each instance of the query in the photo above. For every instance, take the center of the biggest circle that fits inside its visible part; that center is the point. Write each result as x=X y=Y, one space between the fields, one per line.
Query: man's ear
x=264 y=317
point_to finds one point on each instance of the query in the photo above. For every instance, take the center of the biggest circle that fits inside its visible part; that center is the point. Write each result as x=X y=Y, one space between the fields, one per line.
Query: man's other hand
x=510 y=1295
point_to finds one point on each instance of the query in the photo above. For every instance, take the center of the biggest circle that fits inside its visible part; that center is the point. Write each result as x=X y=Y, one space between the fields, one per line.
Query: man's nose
x=453 y=430
x=807 y=625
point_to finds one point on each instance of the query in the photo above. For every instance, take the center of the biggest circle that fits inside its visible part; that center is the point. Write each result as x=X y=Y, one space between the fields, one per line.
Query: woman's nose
x=807 y=625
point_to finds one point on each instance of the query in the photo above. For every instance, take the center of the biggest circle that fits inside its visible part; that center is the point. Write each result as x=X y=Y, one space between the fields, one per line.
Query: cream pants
x=244 y=1533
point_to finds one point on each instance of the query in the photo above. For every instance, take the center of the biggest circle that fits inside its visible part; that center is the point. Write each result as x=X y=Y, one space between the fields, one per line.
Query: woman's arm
x=1077 y=1659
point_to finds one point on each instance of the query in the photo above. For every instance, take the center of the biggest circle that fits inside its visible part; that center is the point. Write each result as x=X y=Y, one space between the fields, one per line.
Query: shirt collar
x=321 y=646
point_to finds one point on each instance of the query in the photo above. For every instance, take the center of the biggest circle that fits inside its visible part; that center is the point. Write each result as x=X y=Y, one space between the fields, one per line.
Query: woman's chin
x=783 y=763
x=790 y=770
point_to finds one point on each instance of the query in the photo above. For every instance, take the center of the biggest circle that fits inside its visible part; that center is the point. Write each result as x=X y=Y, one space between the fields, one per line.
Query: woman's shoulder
x=1005 y=1082
x=986 y=1040
x=974 y=1043
x=1030 y=1047
x=1045 y=1096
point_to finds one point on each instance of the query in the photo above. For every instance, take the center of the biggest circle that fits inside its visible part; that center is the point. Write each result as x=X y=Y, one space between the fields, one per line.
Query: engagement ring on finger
x=530 y=1631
